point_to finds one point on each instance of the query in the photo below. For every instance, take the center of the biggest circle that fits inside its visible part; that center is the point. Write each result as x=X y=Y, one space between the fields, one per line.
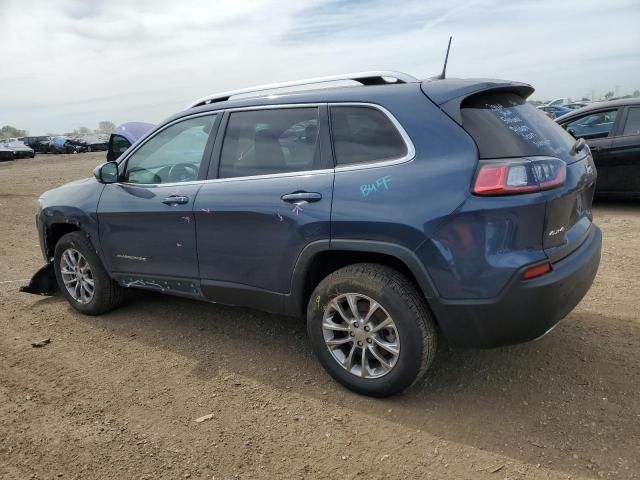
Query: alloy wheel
x=360 y=335
x=77 y=276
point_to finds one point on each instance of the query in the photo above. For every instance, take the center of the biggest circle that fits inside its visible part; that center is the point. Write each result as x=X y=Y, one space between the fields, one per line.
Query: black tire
x=403 y=302
x=107 y=293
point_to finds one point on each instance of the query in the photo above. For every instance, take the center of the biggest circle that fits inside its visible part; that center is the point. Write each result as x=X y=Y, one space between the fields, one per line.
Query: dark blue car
x=555 y=111
x=390 y=213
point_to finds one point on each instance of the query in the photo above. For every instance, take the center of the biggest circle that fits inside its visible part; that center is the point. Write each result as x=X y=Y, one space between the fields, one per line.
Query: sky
x=71 y=63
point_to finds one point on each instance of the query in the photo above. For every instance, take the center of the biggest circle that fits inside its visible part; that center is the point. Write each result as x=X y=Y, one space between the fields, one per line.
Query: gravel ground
x=116 y=396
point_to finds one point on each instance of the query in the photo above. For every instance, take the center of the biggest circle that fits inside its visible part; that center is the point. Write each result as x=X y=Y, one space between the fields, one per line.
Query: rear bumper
x=525 y=310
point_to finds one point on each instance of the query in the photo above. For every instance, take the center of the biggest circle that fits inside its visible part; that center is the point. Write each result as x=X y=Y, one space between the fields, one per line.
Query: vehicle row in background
x=116 y=144
x=67 y=144
x=612 y=132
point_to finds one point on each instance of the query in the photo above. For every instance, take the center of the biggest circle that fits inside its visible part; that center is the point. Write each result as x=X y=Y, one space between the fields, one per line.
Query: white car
x=20 y=149
x=6 y=153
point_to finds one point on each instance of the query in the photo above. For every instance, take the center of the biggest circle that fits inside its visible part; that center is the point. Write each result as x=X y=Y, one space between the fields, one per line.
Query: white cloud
x=80 y=62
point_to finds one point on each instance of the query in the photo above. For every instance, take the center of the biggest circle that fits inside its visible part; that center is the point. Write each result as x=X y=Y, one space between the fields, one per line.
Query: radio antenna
x=442 y=76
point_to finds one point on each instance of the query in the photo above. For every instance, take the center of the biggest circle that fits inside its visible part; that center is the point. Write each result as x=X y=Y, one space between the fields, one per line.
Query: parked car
x=64 y=145
x=559 y=102
x=91 y=142
x=21 y=150
x=124 y=136
x=40 y=144
x=6 y=152
x=612 y=131
x=554 y=111
x=388 y=214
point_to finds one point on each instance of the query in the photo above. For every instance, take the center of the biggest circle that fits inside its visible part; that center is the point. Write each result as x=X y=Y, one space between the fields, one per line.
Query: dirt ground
x=117 y=396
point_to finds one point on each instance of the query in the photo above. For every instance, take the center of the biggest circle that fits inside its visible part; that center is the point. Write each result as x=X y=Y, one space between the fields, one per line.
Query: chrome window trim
x=136 y=146
x=408 y=157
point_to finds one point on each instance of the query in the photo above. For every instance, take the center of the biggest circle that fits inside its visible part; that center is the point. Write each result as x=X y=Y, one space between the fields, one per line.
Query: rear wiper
x=578 y=146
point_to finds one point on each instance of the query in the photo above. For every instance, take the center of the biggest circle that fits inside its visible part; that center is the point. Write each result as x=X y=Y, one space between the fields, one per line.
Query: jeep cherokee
x=392 y=212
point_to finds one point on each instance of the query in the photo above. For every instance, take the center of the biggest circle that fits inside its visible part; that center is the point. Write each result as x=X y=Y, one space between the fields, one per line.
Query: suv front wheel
x=371 y=329
x=81 y=277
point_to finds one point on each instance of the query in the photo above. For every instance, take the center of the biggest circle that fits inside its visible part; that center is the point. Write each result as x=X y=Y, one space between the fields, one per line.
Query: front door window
x=173 y=155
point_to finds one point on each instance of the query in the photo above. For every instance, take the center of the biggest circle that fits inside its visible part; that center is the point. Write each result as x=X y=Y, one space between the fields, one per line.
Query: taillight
x=512 y=177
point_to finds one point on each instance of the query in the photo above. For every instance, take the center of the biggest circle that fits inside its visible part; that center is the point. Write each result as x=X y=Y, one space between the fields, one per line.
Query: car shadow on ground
x=526 y=402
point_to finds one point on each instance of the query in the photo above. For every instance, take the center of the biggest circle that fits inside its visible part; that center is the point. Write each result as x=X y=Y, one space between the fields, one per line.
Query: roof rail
x=365 y=78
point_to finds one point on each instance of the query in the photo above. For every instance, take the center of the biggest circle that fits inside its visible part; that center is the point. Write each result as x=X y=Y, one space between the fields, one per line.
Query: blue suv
x=391 y=211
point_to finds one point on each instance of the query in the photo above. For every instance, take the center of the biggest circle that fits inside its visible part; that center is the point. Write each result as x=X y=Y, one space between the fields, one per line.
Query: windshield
x=504 y=125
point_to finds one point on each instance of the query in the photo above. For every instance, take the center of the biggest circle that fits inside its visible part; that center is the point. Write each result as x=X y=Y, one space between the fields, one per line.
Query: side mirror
x=107 y=172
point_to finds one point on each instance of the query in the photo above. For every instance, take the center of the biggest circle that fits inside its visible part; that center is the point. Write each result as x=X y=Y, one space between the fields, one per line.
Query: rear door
x=268 y=198
x=624 y=170
x=147 y=228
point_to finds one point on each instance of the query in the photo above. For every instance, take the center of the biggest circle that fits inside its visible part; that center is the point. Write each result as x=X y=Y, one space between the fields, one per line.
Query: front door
x=624 y=171
x=147 y=228
x=271 y=198
x=595 y=128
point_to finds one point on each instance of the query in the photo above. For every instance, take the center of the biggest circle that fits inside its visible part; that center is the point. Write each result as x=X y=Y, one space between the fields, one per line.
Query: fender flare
x=399 y=252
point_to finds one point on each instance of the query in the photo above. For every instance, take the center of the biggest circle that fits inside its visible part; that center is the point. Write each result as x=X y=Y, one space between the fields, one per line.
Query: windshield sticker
x=509 y=116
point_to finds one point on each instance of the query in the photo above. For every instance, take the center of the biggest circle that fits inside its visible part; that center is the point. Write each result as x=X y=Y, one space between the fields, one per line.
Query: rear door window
x=592 y=125
x=271 y=141
x=504 y=125
x=632 y=126
x=364 y=135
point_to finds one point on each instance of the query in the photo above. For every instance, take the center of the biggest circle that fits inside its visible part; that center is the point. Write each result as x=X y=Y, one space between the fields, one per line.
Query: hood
x=133 y=131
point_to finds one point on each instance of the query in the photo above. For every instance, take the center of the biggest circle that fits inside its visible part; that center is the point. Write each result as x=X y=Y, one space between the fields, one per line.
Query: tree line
x=9 y=131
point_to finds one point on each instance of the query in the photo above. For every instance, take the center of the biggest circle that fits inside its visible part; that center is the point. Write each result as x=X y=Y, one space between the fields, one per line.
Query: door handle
x=595 y=149
x=176 y=200
x=308 y=197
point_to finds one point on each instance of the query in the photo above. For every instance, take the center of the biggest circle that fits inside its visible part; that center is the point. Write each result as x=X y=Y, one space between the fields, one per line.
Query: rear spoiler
x=449 y=94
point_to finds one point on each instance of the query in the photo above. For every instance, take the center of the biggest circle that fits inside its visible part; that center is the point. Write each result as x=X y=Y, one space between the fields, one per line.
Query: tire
x=107 y=294
x=414 y=330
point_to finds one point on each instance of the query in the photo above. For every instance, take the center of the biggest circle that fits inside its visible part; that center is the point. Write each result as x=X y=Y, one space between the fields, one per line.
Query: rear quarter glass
x=504 y=125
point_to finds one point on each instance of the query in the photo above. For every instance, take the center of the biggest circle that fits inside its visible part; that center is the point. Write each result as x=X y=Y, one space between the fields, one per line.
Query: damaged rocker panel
x=188 y=287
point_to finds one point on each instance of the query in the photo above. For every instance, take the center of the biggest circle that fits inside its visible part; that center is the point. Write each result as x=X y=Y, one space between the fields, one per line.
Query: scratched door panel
x=140 y=234
x=248 y=235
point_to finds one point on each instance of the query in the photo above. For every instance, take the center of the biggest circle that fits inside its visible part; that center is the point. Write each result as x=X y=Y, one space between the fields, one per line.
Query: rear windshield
x=505 y=125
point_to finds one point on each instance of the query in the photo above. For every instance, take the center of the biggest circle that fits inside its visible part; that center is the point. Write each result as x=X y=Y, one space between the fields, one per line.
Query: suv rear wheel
x=81 y=277
x=371 y=329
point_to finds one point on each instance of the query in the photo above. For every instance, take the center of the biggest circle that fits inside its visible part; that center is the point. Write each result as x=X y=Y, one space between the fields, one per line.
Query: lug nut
x=356 y=324
x=366 y=329
x=369 y=340
x=359 y=343
x=352 y=334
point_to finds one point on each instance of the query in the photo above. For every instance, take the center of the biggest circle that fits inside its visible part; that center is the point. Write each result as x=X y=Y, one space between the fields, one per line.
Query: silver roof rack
x=365 y=78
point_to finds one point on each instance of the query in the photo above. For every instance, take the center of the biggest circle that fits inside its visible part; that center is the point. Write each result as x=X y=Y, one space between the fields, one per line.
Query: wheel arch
x=319 y=259
x=54 y=232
